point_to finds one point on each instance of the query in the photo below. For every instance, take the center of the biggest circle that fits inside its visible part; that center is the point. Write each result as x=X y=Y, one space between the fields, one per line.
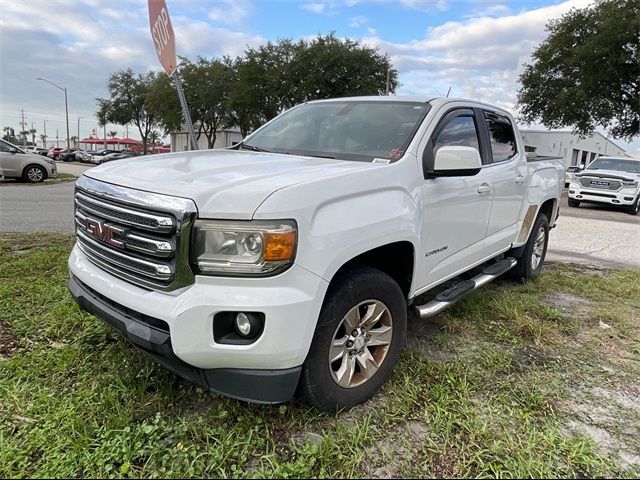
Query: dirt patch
x=568 y=304
x=386 y=458
x=8 y=342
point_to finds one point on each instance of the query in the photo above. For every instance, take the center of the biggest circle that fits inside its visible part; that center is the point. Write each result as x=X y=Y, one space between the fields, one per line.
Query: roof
x=570 y=132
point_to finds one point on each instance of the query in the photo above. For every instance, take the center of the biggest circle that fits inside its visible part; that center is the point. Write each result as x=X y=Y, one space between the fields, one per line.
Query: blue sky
x=475 y=46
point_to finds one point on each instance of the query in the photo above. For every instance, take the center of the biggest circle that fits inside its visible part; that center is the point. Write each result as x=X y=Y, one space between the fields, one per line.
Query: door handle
x=484 y=188
x=520 y=179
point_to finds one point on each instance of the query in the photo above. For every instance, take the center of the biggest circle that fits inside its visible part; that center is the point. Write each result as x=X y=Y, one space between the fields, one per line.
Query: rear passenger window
x=458 y=132
x=503 y=139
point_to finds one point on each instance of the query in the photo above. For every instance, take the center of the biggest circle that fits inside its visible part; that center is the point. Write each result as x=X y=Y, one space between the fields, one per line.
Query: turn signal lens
x=279 y=246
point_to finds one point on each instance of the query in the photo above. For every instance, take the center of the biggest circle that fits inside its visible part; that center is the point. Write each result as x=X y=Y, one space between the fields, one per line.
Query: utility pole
x=44 y=142
x=66 y=105
x=57 y=141
x=23 y=124
x=105 y=135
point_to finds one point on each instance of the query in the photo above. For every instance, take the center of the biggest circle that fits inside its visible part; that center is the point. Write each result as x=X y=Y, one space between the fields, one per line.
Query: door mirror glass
x=13 y=150
x=455 y=161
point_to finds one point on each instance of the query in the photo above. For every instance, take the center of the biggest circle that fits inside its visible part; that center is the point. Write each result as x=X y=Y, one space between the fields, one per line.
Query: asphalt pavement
x=589 y=234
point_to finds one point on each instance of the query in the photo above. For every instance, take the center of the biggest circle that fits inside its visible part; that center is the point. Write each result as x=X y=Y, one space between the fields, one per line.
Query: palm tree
x=33 y=132
x=153 y=137
x=113 y=134
x=43 y=137
x=74 y=139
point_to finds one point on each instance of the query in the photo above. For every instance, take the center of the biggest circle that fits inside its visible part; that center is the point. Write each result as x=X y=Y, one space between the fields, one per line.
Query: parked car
x=609 y=180
x=116 y=156
x=68 y=155
x=16 y=163
x=84 y=155
x=54 y=152
x=98 y=157
x=571 y=171
x=38 y=150
x=287 y=263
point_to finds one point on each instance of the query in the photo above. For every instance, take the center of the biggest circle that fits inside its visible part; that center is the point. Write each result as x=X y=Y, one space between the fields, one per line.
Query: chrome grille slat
x=127 y=216
x=613 y=184
x=139 y=236
x=153 y=270
x=137 y=243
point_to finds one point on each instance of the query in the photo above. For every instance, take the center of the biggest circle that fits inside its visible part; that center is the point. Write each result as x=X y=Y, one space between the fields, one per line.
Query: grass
x=515 y=381
x=59 y=178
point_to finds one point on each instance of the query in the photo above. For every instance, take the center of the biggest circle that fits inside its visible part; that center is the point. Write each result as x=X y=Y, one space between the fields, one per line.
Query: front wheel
x=34 y=174
x=635 y=208
x=357 y=342
x=530 y=263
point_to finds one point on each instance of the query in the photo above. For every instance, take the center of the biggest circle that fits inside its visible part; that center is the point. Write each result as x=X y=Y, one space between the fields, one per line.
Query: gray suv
x=16 y=163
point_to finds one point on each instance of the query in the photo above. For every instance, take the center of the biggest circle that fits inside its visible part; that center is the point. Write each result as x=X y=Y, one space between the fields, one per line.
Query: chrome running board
x=460 y=290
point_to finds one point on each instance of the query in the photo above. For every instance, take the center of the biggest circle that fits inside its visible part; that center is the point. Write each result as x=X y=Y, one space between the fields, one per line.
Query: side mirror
x=581 y=166
x=13 y=150
x=453 y=161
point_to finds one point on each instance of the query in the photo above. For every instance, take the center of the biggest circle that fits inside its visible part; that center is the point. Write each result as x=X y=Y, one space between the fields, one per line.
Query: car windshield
x=631 y=166
x=348 y=130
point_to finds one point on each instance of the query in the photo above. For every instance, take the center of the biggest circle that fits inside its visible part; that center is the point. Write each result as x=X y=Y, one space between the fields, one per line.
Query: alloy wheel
x=538 y=248
x=360 y=343
x=34 y=174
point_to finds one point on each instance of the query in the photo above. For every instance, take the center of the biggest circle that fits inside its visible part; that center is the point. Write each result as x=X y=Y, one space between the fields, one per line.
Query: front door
x=456 y=209
x=10 y=162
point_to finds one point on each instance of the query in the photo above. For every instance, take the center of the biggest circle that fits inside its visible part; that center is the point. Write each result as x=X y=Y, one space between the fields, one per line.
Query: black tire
x=34 y=174
x=351 y=289
x=525 y=269
x=574 y=203
x=635 y=208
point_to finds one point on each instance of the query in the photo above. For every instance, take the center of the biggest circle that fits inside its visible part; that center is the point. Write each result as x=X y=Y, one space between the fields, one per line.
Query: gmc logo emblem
x=105 y=232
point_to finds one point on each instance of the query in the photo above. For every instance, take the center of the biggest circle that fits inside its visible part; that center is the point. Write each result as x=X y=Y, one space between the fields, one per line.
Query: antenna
x=449 y=91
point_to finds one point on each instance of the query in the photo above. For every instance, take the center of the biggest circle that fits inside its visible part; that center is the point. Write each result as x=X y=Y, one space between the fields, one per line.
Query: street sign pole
x=165 y=42
x=185 y=109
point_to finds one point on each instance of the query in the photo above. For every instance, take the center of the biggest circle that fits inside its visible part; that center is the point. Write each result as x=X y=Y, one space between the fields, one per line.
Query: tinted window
x=458 y=132
x=503 y=139
x=631 y=166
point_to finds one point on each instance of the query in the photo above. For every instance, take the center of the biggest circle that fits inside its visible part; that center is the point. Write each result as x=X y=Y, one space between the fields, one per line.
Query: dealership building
x=573 y=149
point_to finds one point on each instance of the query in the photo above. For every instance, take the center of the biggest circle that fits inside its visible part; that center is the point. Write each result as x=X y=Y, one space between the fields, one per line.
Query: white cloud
x=232 y=12
x=313 y=7
x=358 y=21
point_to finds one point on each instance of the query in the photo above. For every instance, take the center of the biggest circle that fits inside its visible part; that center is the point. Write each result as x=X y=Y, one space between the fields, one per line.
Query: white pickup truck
x=288 y=262
x=608 y=180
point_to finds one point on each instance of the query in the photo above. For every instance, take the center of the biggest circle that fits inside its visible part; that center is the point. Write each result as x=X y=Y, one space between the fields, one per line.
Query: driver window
x=5 y=147
x=458 y=132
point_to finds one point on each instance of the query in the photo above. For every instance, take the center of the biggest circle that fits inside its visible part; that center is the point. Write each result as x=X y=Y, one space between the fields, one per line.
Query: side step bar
x=451 y=295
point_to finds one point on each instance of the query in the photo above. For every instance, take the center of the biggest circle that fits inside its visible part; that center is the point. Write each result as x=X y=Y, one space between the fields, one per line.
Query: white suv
x=614 y=181
x=16 y=163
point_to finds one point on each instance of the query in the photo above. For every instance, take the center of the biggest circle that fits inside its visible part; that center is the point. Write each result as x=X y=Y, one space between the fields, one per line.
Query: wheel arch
x=24 y=170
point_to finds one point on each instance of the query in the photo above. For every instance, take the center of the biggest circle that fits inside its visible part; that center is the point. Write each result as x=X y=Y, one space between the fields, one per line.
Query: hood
x=616 y=174
x=224 y=184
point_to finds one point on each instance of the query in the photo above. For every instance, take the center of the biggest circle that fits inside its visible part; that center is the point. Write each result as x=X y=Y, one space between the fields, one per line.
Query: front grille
x=605 y=183
x=138 y=236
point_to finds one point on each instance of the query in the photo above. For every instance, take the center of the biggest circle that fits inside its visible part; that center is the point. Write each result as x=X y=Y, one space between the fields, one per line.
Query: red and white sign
x=162 y=32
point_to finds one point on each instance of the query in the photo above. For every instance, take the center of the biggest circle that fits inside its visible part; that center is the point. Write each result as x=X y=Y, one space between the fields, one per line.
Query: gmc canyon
x=287 y=263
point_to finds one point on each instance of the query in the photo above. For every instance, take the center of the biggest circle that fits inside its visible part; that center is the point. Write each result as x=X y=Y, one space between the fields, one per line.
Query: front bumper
x=291 y=304
x=624 y=197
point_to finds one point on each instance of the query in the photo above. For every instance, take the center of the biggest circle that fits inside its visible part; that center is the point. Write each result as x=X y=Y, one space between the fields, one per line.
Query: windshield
x=349 y=130
x=631 y=166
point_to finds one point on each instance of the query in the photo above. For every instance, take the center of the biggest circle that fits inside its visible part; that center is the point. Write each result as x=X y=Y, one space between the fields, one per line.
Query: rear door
x=509 y=173
x=456 y=209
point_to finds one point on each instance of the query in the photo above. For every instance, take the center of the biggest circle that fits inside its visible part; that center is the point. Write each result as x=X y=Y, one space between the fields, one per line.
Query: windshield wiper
x=252 y=148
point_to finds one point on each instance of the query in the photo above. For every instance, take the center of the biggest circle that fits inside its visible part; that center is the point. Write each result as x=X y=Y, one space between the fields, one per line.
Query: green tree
x=129 y=102
x=112 y=133
x=207 y=85
x=277 y=76
x=73 y=140
x=33 y=132
x=587 y=72
x=43 y=138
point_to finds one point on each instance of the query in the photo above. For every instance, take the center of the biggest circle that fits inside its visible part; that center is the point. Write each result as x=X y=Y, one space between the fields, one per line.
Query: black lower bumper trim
x=259 y=386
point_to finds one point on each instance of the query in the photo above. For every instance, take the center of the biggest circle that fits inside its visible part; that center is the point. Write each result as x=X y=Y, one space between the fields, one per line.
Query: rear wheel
x=357 y=342
x=34 y=174
x=574 y=203
x=635 y=208
x=535 y=250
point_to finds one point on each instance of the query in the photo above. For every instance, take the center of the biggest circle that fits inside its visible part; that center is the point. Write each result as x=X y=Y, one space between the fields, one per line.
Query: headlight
x=631 y=183
x=49 y=160
x=243 y=248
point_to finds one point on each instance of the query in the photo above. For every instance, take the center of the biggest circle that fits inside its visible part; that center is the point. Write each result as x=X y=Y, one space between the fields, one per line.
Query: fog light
x=243 y=324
